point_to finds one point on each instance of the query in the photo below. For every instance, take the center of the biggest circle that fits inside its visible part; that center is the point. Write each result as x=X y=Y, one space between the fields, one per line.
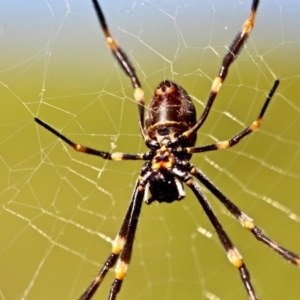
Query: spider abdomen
x=170 y=113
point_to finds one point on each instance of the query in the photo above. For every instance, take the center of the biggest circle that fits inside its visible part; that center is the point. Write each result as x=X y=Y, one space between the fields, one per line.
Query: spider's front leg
x=232 y=253
x=122 y=245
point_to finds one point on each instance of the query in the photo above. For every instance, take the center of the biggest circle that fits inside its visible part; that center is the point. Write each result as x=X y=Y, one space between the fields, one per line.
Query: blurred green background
x=60 y=209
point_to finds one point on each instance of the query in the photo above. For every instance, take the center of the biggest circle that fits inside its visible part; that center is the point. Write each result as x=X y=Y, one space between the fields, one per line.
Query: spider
x=169 y=130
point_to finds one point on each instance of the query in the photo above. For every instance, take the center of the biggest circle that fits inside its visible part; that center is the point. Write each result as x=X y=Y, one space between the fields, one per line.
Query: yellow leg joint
x=118 y=245
x=235 y=258
x=121 y=270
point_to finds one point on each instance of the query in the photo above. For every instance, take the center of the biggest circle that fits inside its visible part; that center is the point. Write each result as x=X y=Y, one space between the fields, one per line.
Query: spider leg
x=232 y=253
x=124 y=62
x=122 y=245
x=233 y=141
x=230 y=56
x=80 y=148
x=245 y=221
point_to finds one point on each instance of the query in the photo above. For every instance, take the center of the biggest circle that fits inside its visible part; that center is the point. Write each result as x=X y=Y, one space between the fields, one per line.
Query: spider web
x=60 y=210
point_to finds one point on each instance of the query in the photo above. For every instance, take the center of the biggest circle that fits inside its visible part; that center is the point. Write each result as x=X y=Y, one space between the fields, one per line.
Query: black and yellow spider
x=170 y=132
